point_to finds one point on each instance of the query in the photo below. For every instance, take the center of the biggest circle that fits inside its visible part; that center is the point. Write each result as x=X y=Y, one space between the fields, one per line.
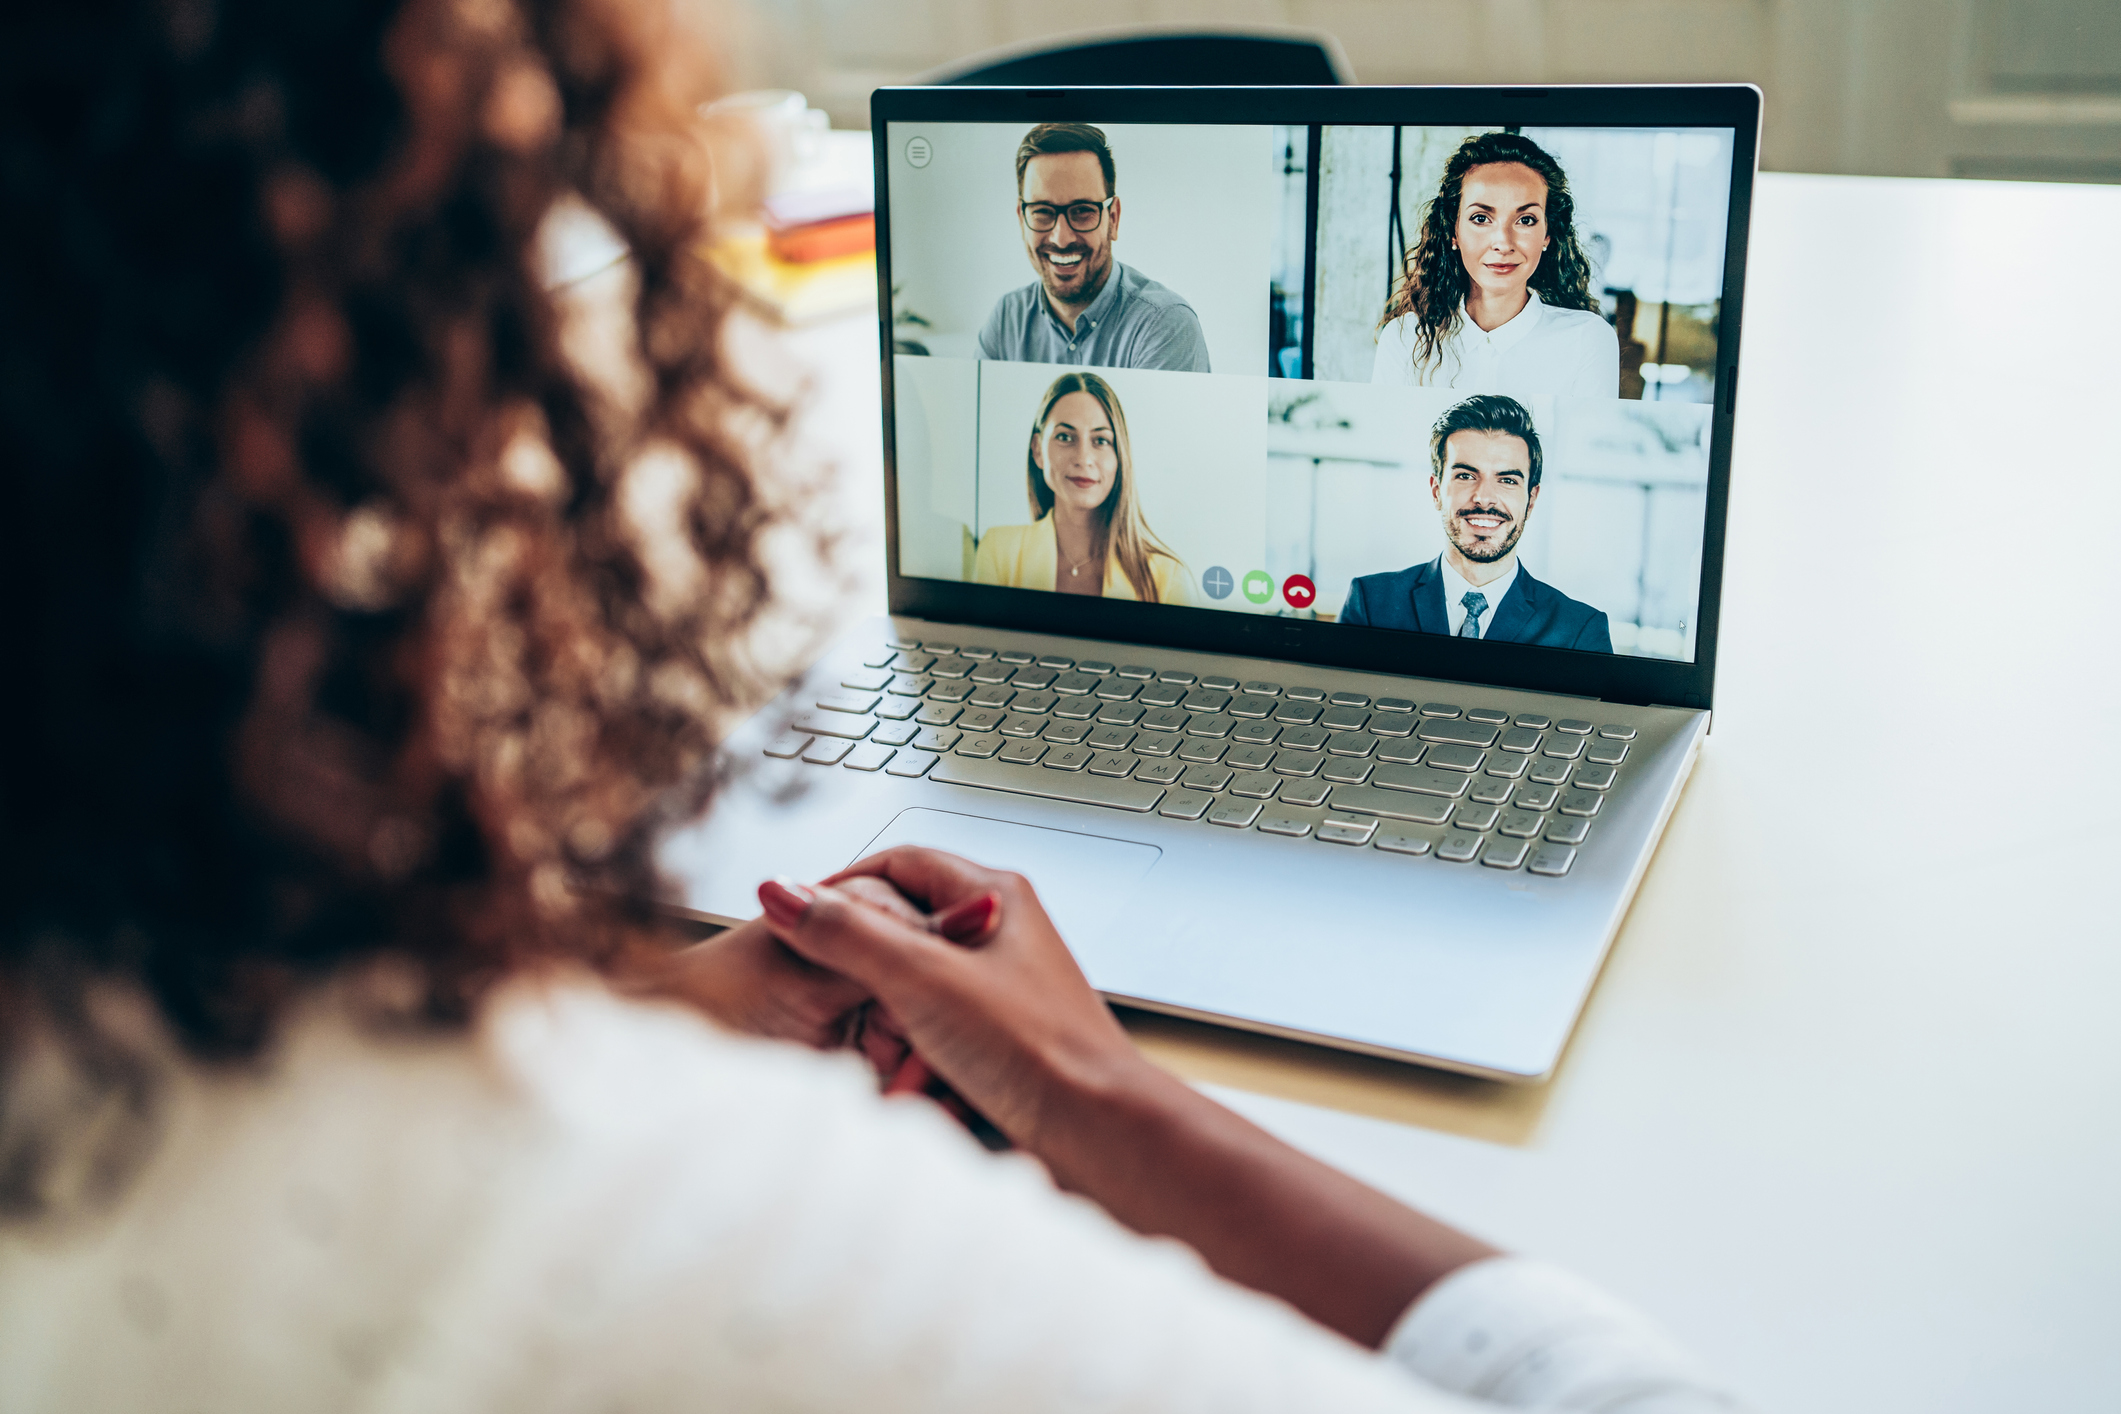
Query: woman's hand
x=1002 y=1013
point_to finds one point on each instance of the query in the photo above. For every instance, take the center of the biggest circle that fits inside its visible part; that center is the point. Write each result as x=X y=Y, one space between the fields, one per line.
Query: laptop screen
x=1441 y=380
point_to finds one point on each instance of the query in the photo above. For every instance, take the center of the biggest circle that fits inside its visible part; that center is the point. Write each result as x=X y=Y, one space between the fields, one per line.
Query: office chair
x=1134 y=55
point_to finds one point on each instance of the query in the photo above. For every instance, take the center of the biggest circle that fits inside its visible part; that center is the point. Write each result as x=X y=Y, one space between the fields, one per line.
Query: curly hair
x=336 y=632
x=1433 y=283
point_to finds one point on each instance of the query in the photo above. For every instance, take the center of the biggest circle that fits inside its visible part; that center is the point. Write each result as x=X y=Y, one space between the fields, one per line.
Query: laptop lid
x=1430 y=381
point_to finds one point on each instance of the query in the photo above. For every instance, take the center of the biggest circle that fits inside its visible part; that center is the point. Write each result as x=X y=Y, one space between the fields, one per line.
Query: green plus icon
x=1259 y=586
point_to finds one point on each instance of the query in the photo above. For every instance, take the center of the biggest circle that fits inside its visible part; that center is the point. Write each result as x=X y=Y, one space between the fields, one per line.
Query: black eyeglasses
x=1082 y=215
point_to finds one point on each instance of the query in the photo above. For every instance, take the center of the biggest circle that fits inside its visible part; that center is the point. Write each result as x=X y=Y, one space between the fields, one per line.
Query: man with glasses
x=1085 y=307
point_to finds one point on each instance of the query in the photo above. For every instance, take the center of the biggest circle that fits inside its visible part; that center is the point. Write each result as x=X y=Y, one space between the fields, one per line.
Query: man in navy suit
x=1484 y=477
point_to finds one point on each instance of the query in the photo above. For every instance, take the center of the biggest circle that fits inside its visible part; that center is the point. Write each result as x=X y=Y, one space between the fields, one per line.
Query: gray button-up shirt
x=1133 y=323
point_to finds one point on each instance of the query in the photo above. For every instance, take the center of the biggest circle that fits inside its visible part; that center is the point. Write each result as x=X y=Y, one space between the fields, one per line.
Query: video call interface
x=1433 y=379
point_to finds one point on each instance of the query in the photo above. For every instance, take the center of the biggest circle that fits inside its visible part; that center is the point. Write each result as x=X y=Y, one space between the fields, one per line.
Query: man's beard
x=1491 y=551
x=1093 y=283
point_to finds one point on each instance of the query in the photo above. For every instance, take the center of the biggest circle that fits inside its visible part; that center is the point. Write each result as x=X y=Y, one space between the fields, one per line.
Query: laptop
x=1305 y=516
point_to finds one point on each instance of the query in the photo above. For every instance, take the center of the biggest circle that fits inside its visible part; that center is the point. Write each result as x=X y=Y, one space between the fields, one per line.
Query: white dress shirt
x=1456 y=588
x=1568 y=353
x=593 y=1204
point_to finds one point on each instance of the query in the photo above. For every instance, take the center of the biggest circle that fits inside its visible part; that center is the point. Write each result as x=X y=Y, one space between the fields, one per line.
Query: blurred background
x=2027 y=89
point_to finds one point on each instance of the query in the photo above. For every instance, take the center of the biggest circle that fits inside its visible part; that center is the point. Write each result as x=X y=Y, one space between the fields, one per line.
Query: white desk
x=1845 y=1109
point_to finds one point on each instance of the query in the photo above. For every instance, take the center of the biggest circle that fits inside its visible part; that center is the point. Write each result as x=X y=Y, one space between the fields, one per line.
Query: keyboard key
x=1458 y=846
x=1505 y=854
x=1460 y=733
x=982 y=719
x=865 y=680
x=1156 y=744
x=1163 y=719
x=1553 y=859
x=1255 y=733
x=940 y=648
x=1349 y=699
x=1202 y=700
x=1351 y=744
x=1095 y=667
x=1033 y=702
x=1405 y=841
x=1018 y=724
x=1078 y=786
x=1562 y=748
x=1185 y=805
x=1176 y=675
x=1263 y=689
x=1068 y=758
x=981 y=653
x=895 y=733
x=991 y=696
x=1022 y=753
x=1305 y=738
x=1344 y=719
x=880 y=658
x=788 y=745
x=950 y=692
x=1391 y=804
x=1519 y=739
x=1017 y=655
x=1394 y=704
x=1312 y=792
x=1111 y=738
x=847 y=701
x=1490 y=716
x=1255 y=785
x=1201 y=749
x=911 y=763
x=1119 y=714
x=1116 y=689
x=1297 y=763
x=1569 y=831
x=1218 y=682
x=1252 y=705
x=1305 y=694
x=1294 y=825
x=1137 y=671
x=1519 y=824
x=1574 y=726
x=1547 y=772
x=1208 y=778
x=1421 y=780
x=1536 y=797
x=1614 y=732
x=909 y=685
x=1533 y=721
x=1581 y=802
x=992 y=673
x=1066 y=733
x=1486 y=790
x=1394 y=724
x=1353 y=832
x=1441 y=709
x=1249 y=758
x=1474 y=817
x=836 y=724
x=1033 y=679
x=1215 y=724
x=1055 y=661
x=1455 y=758
x=1161 y=773
x=1606 y=753
x=1296 y=714
x=1237 y=814
x=938 y=714
x=1347 y=770
x=827 y=751
x=913 y=662
x=1502 y=763
x=1075 y=684
x=1112 y=763
x=952 y=668
x=981 y=745
x=870 y=757
x=1593 y=778
x=1160 y=694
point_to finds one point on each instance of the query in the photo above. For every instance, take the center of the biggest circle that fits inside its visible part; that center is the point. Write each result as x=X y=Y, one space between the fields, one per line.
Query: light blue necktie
x=1476 y=604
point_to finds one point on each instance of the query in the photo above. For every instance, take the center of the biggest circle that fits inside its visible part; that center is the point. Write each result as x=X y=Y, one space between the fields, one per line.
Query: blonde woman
x=1086 y=534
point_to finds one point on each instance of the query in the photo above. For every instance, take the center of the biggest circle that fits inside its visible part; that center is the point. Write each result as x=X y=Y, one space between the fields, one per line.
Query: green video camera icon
x=1259 y=586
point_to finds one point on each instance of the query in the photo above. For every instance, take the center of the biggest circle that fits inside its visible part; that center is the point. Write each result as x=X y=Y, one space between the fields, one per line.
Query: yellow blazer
x=1026 y=557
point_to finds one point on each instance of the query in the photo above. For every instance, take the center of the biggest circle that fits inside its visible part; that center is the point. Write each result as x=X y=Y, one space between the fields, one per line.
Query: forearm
x=1168 y=1161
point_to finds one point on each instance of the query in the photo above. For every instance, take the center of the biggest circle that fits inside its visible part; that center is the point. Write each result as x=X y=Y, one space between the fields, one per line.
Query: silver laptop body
x=1327 y=813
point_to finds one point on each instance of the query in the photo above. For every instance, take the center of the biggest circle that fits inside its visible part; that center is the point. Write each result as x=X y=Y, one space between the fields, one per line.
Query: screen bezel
x=1609 y=676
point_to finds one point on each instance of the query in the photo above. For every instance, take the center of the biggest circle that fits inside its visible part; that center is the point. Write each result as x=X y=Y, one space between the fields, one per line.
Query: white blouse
x=1568 y=353
x=594 y=1204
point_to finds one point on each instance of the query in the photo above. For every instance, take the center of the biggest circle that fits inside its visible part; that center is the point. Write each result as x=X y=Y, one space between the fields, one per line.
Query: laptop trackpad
x=1084 y=880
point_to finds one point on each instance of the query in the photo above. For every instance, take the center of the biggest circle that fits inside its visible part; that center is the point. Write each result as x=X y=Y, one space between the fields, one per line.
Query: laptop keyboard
x=1300 y=760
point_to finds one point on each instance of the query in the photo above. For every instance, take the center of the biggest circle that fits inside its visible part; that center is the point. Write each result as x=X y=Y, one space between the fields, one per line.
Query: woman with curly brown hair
x=371 y=613
x=1495 y=295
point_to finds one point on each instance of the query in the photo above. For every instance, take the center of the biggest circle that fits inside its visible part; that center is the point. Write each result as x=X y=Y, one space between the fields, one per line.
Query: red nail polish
x=785 y=901
x=969 y=919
